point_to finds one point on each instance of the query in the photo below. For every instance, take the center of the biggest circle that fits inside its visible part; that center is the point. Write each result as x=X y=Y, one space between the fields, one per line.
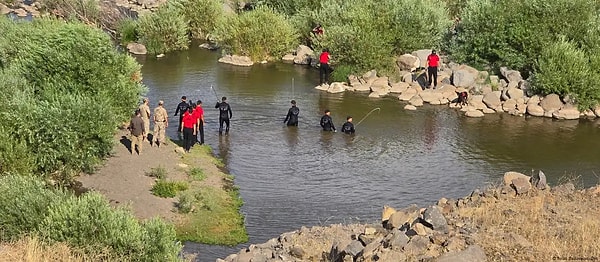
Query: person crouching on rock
x=348 y=127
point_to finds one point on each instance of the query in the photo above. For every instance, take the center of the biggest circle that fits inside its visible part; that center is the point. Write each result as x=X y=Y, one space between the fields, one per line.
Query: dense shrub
x=202 y=16
x=290 y=7
x=513 y=32
x=260 y=34
x=566 y=70
x=164 y=188
x=164 y=30
x=127 y=30
x=64 y=89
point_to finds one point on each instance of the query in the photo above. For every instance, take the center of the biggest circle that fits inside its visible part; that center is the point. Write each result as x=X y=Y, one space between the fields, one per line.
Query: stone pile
x=21 y=9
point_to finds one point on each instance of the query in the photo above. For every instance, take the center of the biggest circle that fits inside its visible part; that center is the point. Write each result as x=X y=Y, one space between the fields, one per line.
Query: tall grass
x=164 y=30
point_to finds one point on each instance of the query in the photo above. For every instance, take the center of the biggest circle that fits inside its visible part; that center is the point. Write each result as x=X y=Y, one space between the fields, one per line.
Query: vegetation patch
x=196 y=174
x=167 y=189
x=158 y=172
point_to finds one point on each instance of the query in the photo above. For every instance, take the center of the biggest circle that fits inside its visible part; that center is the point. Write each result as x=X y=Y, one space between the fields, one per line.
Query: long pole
x=214 y=92
x=292 y=88
x=374 y=109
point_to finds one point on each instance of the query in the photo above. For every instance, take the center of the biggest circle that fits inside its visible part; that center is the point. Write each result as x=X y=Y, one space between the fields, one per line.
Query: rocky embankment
x=523 y=219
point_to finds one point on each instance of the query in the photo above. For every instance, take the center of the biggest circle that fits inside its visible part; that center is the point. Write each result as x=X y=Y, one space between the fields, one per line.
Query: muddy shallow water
x=293 y=177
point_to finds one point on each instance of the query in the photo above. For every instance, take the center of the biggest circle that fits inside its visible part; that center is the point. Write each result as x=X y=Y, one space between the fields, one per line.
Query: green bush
x=164 y=30
x=24 y=204
x=197 y=174
x=202 y=16
x=186 y=202
x=260 y=34
x=564 y=69
x=87 y=11
x=164 y=188
x=127 y=30
x=158 y=172
x=512 y=33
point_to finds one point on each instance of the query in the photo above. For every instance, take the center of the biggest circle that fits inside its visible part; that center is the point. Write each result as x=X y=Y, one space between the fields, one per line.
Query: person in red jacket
x=433 y=61
x=199 y=114
x=324 y=68
x=188 y=127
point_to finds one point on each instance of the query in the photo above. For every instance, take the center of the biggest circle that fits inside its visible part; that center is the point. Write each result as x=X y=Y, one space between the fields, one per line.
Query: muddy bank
x=521 y=219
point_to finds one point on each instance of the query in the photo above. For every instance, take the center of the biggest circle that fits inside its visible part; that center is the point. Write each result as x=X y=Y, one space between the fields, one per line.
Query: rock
x=551 y=103
x=540 y=180
x=322 y=87
x=4 y=9
x=417 y=245
x=464 y=76
x=410 y=107
x=422 y=55
x=454 y=244
x=236 y=60
x=488 y=111
x=304 y=55
x=398 y=219
x=20 y=12
x=137 y=49
x=160 y=55
x=416 y=101
x=473 y=253
x=447 y=91
x=535 y=109
x=399 y=87
x=380 y=86
x=514 y=93
x=374 y=95
x=391 y=255
x=474 y=113
x=418 y=229
x=566 y=188
x=430 y=95
x=296 y=251
x=509 y=105
x=336 y=87
x=521 y=185
x=181 y=165
x=509 y=176
x=408 y=62
x=434 y=219
x=387 y=213
x=589 y=113
x=407 y=78
x=486 y=90
x=568 y=112
x=534 y=100
x=354 y=248
x=597 y=111
x=494 y=80
x=408 y=94
x=396 y=240
x=513 y=76
x=369 y=230
x=476 y=102
x=492 y=100
x=288 y=58
x=214 y=46
x=369 y=77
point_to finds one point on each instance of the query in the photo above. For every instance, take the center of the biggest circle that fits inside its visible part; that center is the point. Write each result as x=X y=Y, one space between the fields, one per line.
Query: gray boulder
x=515 y=93
x=535 y=110
x=137 y=49
x=408 y=62
x=464 y=76
x=551 y=103
x=513 y=76
x=422 y=55
x=396 y=240
x=236 y=60
x=568 y=112
x=492 y=100
x=354 y=248
x=433 y=218
x=509 y=176
x=474 y=113
x=473 y=253
x=417 y=245
x=521 y=185
x=540 y=180
x=304 y=55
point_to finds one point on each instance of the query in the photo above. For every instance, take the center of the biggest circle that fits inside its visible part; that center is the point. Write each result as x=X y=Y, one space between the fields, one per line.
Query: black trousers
x=179 y=123
x=324 y=71
x=221 y=121
x=432 y=74
x=188 y=138
x=201 y=132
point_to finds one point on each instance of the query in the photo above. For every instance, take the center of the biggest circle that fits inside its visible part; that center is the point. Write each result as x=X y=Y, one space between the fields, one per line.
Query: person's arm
x=177 y=111
x=230 y=113
x=217 y=105
x=166 y=118
x=289 y=114
x=332 y=126
x=130 y=127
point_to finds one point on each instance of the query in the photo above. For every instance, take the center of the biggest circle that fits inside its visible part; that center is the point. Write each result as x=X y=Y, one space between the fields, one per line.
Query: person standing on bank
x=224 y=115
x=161 y=122
x=145 y=114
x=292 y=116
x=136 y=126
x=348 y=127
x=327 y=122
x=182 y=107
x=433 y=61
x=199 y=113
x=324 y=68
x=188 y=128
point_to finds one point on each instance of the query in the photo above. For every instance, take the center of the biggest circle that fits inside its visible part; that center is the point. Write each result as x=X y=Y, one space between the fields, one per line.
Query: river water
x=293 y=177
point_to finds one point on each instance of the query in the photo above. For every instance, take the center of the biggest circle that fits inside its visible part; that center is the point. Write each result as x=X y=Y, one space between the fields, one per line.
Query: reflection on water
x=301 y=176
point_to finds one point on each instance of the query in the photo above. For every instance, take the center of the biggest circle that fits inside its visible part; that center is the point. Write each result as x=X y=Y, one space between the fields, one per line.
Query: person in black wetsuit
x=224 y=115
x=327 y=122
x=348 y=127
x=181 y=109
x=292 y=116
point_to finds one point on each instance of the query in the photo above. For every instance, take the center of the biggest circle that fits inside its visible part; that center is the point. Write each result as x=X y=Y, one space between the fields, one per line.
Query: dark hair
x=198 y=102
x=348 y=118
x=183 y=97
x=190 y=109
x=293 y=102
x=224 y=98
x=325 y=49
x=433 y=51
x=138 y=112
x=327 y=111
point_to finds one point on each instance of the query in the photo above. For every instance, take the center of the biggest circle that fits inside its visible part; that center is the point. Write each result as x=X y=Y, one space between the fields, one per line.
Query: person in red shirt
x=324 y=68
x=433 y=61
x=199 y=114
x=188 y=127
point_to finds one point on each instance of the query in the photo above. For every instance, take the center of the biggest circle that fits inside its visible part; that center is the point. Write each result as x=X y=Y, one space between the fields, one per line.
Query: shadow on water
x=291 y=177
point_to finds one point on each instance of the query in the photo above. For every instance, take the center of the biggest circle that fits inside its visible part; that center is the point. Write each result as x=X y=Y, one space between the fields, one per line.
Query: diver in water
x=327 y=122
x=224 y=115
x=348 y=127
x=292 y=116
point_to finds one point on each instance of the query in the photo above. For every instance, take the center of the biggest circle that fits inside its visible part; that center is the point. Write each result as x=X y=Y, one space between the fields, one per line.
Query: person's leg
x=429 y=76
x=179 y=123
x=138 y=142
x=435 y=69
x=146 y=128
x=201 y=132
x=321 y=73
x=221 y=121
x=155 y=134
x=227 y=125
x=186 y=139
x=327 y=73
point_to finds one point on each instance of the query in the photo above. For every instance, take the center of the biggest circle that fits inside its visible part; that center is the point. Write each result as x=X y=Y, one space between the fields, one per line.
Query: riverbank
x=521 y=219
x=206 y=211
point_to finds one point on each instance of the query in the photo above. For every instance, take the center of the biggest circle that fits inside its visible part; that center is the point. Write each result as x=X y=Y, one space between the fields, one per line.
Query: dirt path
x=123 y=178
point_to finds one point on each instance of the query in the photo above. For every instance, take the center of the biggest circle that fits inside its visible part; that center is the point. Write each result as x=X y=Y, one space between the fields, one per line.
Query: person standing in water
x=181 y=109
x=199 y=112
x=348 y=127
x=327 y=122
x=292 y=116
x=225 y=115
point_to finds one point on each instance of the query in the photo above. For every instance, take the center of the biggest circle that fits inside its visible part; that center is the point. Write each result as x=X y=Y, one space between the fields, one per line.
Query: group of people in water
x=291 y=119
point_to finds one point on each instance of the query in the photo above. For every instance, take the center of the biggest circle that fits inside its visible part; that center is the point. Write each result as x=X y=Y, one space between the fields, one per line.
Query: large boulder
x=464 y=76
x=422 y=55
x=399 y=87
x=304 y=55
x=515 y=93
x=535 y=109
x=510 y=106
x=380 y=86
x=492 y=100
x=408 y=62
x=416 y=101
x=511 y=175
x=408 y=94
x=513 y=76
x=336 y=87
x=4 y=9
x=429 y=96
x=474 y=113
x=472 y=253
x=433 y=218
x=137 y=49
x=236 y=60
x=551 y=103
x=369 y=77
x=568 y=112
x=476 y=101
x=448 y=92
x=288 y=58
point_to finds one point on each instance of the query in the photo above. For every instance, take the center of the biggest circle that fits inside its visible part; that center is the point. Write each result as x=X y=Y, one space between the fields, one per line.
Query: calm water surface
x=293 y=177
